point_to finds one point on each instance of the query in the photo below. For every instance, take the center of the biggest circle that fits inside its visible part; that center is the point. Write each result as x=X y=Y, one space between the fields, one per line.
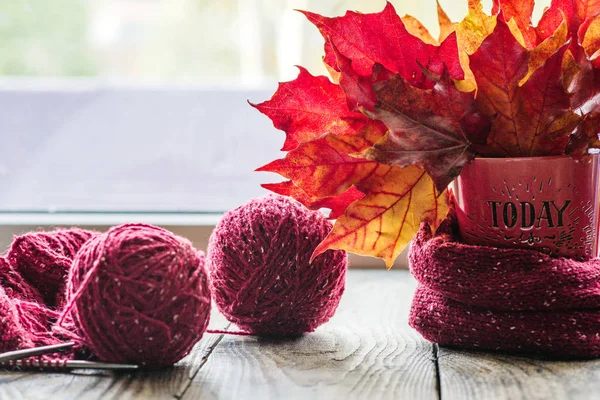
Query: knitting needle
x=66 y=364
x=36 y=351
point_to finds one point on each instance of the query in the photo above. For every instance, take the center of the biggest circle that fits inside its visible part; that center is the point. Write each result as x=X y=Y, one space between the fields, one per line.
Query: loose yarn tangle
x=27 y=316
x=137 y=294
x=12 y=334
x=15 y=287
x=261 y=277
x=44 y=258
x=25 y=321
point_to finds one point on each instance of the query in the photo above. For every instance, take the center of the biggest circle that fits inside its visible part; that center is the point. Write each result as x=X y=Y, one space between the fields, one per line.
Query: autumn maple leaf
x=382 y=223
x=519 y=11
x=321 y=132
x=406 y=111
x=416 y=28
x=532 y=119
x=310 y=106
x=324 y=167
x=382 y=38
x=576 y=12
x=470 y=32
x=337 y=204
x=432 y=128
x=323 y=174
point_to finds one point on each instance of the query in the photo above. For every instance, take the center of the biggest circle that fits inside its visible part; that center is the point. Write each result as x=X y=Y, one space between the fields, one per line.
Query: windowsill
x=197 y=227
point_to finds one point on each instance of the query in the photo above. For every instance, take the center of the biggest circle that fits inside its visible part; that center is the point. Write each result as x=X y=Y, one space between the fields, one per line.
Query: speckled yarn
x=32 y=283
x=14 y=285
x=137 y=294
x=509 y=300
x=258 y=260
x=25 y=321
x=11 y=331
x=44 y=259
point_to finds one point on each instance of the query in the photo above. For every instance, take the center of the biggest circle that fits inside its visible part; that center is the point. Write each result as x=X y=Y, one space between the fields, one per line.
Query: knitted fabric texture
x=44 y=259
x=15 y=287
x=27 y=316
x=261 y=277
x=11 y=332
x=509 y=300
x=137 y=294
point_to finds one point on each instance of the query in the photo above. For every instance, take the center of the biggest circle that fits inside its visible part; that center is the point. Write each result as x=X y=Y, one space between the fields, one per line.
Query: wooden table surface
x=367 y=351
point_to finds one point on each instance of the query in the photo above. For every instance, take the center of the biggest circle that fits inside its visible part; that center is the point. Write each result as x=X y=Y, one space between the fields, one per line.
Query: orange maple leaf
x=324 y=167
x=383 y=222
x=337 y=204
x=308 y=107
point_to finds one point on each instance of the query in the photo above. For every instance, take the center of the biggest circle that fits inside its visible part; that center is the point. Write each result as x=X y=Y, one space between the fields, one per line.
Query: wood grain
x=366 y=351
x=470 y=375
x=165 y=384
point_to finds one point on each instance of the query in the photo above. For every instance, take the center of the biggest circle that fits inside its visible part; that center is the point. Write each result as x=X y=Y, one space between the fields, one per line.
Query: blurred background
x=141 y=105
x=213 y=42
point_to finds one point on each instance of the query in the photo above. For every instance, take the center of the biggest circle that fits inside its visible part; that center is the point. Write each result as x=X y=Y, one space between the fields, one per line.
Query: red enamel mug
x=544 y=203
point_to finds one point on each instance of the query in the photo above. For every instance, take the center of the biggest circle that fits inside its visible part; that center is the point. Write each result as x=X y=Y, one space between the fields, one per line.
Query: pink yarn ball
x=137 y=294
x=44 y=258
x=261 y=278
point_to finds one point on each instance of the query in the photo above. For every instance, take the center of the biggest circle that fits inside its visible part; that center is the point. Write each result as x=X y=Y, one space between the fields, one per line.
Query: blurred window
x=141 y=105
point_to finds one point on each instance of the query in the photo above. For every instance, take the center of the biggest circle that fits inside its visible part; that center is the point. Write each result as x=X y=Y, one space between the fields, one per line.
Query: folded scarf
x=507 y=300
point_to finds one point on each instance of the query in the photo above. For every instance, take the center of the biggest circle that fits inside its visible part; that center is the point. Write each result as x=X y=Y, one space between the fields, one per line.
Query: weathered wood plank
x=164 y=384
x=471 y=375
x=366 y=351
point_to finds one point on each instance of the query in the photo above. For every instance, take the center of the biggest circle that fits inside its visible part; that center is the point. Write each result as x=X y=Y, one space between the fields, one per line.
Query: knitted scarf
x=508 y=300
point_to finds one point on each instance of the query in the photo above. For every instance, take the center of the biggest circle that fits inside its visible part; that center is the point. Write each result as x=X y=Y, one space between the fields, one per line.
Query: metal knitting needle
x=36 y=351
x=72 y=364
x=66 y=364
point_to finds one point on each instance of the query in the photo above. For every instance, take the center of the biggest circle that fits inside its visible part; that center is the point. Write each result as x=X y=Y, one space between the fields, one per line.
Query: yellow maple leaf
x=416 y=28
x=446 y=25
x=384 y=222
x=470 y=33
x=545 y=49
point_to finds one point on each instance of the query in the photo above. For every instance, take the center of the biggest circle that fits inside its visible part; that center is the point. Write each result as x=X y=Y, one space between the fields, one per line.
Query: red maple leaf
x=380 y=147
x=324 y=167
x=310 y=106
x=575 y=12
x=337 y=204
x=432 y=128
x=382 y=38
x=531 y=119
x=520 y=11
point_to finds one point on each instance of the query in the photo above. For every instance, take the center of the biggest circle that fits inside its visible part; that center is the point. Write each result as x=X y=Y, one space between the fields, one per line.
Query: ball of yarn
x=261 y=277
x=44 y=259
x=137 y=294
